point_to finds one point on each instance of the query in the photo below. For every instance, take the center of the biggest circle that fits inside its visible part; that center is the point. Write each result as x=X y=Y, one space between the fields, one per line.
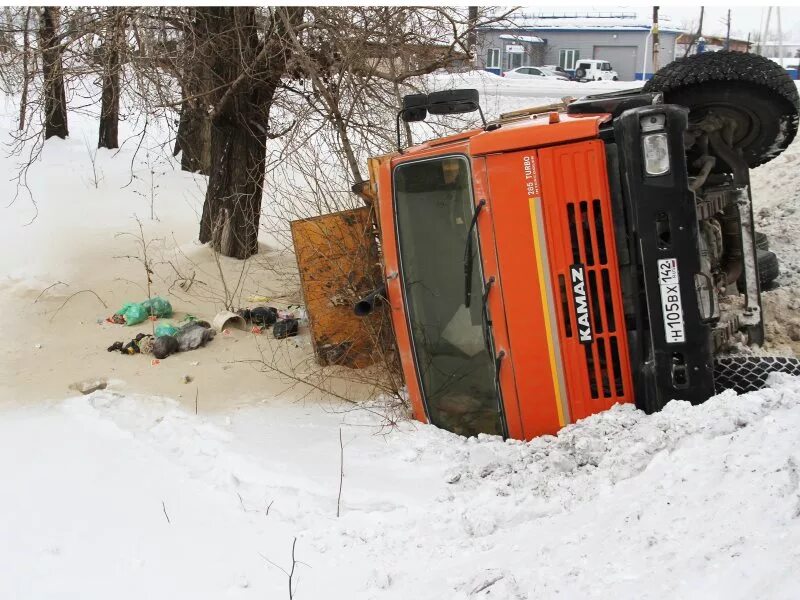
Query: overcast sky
x=744 y=19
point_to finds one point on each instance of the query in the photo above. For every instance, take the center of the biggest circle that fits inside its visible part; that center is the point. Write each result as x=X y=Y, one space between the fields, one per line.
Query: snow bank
x=129 y=497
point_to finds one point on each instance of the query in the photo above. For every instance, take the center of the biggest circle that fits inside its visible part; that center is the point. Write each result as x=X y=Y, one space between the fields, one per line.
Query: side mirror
x=453 y=102
x=414 y=108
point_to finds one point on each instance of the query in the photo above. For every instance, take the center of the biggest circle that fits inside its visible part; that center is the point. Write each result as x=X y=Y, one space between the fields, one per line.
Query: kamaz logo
x=584 y=326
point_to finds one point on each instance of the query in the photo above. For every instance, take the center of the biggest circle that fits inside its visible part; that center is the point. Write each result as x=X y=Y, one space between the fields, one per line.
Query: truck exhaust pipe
x=366 y=305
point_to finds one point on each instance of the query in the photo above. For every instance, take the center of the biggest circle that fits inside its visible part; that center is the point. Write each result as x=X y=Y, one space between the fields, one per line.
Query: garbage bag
x=135 y=312
x=166 y=328
x=285 y=328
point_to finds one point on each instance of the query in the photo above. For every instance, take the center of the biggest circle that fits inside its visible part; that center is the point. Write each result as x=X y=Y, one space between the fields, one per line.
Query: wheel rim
x=747 y=123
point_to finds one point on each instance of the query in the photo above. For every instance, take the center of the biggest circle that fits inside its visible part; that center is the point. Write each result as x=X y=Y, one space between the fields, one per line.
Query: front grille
x=588 y=244
x=585 y=277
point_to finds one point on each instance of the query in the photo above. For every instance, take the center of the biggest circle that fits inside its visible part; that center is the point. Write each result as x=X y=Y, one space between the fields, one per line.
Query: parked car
x=559 y=71
x=533 y=73
x=595 y=70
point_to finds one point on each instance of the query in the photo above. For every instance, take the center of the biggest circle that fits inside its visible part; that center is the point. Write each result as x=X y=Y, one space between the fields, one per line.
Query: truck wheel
x=754 y=91
x=749 y=373
x=768 y=267
x=580 y=73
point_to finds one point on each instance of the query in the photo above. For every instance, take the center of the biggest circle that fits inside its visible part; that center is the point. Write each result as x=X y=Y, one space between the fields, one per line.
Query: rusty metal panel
x=337 y=257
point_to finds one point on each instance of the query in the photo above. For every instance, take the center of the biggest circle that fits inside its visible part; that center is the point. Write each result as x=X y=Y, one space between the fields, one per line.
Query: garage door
x=622 y=59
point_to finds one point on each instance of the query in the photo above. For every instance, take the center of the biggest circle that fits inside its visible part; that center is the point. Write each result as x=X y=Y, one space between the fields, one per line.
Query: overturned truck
x=554 y=263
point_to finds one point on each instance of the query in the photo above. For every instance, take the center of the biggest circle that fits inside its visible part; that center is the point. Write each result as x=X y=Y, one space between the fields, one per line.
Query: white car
x=532 y=73
x=595 y=70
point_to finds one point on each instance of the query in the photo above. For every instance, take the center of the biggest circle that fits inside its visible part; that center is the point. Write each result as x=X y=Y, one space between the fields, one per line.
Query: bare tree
x=55 y=100
x=111 y=51
x=247 y=68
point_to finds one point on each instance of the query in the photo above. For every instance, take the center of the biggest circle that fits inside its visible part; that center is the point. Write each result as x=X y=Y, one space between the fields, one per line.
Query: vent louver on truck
x=587 y=241
x=580 y=239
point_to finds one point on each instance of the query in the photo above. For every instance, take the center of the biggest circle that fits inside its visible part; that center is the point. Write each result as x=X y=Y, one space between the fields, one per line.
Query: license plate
x=671 y=307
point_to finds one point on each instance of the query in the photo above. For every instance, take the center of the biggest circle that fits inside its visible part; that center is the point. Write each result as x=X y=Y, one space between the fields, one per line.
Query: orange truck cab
x=547 y=266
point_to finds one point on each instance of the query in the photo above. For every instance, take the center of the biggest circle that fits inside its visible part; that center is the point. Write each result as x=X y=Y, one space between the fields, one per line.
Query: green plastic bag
x=167 y=328
x=136 y=312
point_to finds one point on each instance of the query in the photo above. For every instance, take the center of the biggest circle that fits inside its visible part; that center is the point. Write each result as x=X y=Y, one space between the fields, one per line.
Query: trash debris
x=225 y=319
x=88 y=386
x=257 y=299
x=166 y=328
x=146 y=344
x=188 y=337
x=286 y=314
x=188 y=379
x=135 y=346
x=164 y=346
x=133 y=313
x=256 y=329
x=38 y=346
x=155 y=362
x=193 y=335
x=194 y=363
x=263 y=316
x=285 y=328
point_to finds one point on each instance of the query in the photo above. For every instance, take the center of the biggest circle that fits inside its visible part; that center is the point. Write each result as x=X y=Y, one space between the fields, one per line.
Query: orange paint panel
x=513 y=183
x=391 y=263
x=585 y=274
x=535 y=132
x=496 y=301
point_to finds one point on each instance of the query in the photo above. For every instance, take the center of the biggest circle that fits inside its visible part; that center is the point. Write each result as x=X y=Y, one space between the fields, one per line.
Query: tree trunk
x=55 y=99
x=248 y=71
x=193 y=141
x=26 y=72
x=109 y=107
x=194 y=138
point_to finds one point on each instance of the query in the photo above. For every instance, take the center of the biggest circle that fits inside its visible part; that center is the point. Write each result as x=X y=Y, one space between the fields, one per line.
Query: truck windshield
x=434 y=206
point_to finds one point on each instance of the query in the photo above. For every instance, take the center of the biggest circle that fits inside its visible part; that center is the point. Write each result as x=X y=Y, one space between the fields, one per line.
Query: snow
x=534 y=23
x=692 y=502
x=130 y=492
x=522 y=38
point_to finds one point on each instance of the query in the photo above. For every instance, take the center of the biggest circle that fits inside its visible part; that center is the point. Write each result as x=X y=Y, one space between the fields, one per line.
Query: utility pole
x=655 y=39
x=697 y=35
x=472 y=37
x=728 y=34
x=764 y=41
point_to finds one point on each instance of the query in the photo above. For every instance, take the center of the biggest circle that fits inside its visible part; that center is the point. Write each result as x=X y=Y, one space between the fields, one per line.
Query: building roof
x=522 y=38
x=530 y=22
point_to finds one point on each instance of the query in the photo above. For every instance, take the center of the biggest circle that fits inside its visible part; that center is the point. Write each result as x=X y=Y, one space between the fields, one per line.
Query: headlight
x=656 y=154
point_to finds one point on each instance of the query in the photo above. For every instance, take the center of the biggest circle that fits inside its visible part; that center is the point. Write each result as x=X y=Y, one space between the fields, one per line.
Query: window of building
x=493 y=58
x=514 y=60
x=567 y=58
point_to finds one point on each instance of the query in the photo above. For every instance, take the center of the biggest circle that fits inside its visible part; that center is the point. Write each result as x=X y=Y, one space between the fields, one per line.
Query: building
x=709 y=43
x=622 y=39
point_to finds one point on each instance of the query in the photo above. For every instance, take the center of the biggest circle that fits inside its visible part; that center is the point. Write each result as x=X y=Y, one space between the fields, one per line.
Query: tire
x=580 y=73
x=768 y=269
x=749 y=373
x=754 y=91
x=615 y=78
x=768 y=266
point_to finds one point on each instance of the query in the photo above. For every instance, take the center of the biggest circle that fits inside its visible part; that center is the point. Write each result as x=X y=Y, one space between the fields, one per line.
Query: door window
x=434 y=208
